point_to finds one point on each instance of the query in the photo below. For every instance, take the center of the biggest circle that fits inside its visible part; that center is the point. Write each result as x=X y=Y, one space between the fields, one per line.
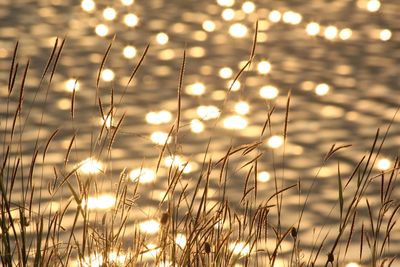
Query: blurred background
x=340 y=60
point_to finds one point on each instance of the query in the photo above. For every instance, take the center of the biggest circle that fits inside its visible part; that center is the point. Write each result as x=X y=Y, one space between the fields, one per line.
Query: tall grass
x=196 y=229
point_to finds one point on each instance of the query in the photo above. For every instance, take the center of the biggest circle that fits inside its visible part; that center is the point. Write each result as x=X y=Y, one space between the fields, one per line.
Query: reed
x=194 y=227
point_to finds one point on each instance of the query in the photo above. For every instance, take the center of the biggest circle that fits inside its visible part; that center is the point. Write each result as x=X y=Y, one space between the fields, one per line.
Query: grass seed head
x=164 y=218
x=331 y=258
x=207 y=247
x=293 y=232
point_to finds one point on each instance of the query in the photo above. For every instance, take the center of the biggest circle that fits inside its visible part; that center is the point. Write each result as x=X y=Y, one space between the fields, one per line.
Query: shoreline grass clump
x=196 y=222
